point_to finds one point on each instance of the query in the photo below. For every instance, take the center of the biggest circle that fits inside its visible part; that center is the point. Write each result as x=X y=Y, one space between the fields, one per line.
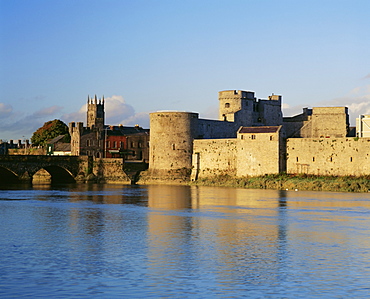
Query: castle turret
x=171 y=143
x=95 y=113
x=233 y=101
x=244 y=109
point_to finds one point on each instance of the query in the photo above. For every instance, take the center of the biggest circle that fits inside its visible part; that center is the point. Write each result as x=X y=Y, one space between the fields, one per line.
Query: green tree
x=50 y=130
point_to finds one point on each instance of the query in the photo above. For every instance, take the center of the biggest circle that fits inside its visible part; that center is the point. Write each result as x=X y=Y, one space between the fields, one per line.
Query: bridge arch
x=7 y=176
x=58 y=174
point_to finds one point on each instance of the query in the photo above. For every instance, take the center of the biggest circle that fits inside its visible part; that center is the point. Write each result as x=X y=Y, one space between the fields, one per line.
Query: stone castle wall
x=329 y=122
x=248 y=155
x=269 y=112
x=214 y=157
x=216 y=129
x=329 y=156
x=259 y=154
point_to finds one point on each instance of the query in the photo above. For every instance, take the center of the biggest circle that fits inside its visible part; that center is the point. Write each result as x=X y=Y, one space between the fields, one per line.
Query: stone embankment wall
x=109 y=170
x=329 y=156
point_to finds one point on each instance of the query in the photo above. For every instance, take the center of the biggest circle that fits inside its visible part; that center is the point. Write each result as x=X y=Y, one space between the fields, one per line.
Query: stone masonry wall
x=214 y=157
x=258 y=156
x=216 y=129
x=329 y=156
x=110 y=170
x=171 y=140
x=329 y=122
x=243 y=156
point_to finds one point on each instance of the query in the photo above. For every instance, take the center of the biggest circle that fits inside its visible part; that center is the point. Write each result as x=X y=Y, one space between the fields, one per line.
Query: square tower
x=232 y=101
x=95 y=113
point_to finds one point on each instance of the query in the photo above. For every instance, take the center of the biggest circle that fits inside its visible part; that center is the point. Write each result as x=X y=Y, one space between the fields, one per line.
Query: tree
x=50 y=130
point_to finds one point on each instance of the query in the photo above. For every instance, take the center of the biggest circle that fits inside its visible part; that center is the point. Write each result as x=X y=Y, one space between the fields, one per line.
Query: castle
x=251 y=138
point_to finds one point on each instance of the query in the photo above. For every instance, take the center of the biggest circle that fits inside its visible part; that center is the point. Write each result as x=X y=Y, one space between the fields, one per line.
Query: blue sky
x=145 y=56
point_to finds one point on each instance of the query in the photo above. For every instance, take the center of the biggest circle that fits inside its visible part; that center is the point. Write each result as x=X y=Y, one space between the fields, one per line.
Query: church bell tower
x=95 y=113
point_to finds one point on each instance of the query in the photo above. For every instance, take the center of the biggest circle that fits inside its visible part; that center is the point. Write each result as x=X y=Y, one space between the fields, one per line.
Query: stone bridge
x=68 y=169
x=22 y=168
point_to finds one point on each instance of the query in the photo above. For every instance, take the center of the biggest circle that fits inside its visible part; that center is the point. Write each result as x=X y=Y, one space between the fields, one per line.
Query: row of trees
x=50 y=130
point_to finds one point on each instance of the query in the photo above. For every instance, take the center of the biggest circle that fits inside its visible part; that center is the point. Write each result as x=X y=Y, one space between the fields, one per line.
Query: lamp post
x=105 y=142
x=25 y=145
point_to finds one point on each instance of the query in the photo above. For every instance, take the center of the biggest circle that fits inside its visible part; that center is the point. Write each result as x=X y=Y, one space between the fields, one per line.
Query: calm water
x=107 y=241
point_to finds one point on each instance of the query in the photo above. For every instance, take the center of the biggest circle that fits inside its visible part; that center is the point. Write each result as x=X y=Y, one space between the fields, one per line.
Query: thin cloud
x=367 y=76
x=117 y=111
x=116 y=108
x=24 y=125
x=6 y=110
x=141 y=119
x=45 y=112
x=357 y=101
x=210 y=113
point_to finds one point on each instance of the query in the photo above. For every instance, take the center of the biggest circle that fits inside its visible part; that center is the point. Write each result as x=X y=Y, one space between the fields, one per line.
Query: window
x=350 y=159
x=271 y=138
x=88 y=142
x=139 y=145
x=227 y=105
x=121 y=144
x=297 y=159
x=108 y=144
x=253 y=136
x=132 y=144
x=313 y=159
x=241 y=136
x=173 y=146
x=114 y=144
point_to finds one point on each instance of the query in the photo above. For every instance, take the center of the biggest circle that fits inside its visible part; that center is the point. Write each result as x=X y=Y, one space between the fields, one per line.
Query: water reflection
x=222 y=229
x=162 y=241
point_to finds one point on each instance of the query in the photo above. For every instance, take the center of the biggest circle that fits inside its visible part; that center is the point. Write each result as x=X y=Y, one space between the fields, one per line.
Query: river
x=115 y=241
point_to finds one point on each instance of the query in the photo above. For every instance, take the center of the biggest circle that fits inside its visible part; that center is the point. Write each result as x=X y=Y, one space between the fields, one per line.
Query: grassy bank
x=291 y=182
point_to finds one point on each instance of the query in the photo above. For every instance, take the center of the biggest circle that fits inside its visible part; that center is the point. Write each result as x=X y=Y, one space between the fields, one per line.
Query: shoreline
x=298 y=182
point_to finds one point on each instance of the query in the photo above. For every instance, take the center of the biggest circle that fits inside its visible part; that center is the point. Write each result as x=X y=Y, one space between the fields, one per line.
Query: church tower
x=95 y=113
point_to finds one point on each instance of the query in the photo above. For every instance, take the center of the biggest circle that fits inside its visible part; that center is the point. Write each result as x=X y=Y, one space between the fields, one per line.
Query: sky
x=150 y=55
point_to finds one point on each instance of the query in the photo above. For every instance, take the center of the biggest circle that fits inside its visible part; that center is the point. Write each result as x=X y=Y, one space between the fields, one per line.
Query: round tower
x=171 y=142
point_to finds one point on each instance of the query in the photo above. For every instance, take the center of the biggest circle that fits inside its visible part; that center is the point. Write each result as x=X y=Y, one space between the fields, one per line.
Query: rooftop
x=262 y=129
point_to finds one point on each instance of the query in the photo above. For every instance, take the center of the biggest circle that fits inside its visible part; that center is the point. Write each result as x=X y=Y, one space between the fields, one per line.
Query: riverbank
x=291 y=182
